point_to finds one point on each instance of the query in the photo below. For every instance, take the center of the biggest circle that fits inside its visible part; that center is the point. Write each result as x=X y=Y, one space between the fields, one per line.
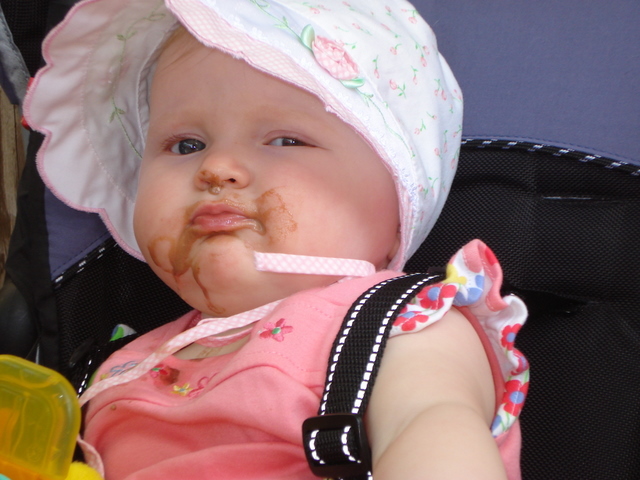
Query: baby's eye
x=187 y=146
x=287 y=142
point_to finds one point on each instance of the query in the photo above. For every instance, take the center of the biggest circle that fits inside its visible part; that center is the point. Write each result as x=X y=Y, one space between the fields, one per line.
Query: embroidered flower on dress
x=166 y=375
x=118 y=370
x=277 y=330
x=183 y=391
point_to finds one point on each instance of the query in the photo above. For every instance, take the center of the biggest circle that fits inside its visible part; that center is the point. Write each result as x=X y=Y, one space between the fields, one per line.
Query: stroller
x=549 y=178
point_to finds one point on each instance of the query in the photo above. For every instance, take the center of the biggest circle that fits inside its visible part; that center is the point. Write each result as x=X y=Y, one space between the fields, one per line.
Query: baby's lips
x=219 y=222
x=211 y=218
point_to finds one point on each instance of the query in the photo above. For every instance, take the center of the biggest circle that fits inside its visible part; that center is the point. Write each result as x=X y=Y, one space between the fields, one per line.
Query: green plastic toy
x=39 y=421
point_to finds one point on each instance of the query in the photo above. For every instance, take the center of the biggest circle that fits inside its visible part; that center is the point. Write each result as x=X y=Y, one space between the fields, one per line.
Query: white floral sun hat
x=374 y=64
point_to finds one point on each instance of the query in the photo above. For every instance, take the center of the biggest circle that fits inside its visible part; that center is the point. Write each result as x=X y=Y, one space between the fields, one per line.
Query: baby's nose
x=206 y=180
x=218 y=171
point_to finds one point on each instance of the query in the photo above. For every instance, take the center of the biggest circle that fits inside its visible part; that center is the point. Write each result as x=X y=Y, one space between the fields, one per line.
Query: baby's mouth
x=209 y=218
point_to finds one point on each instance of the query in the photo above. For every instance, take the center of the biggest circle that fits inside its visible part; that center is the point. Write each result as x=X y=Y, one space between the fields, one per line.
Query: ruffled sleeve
x=472 y=283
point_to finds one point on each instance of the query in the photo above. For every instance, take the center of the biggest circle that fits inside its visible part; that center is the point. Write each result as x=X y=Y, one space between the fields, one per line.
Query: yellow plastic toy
x=80 y=471
x=39 y=421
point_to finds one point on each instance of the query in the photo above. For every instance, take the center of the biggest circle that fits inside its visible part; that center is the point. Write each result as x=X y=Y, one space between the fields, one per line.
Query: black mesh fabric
x=110 y=288
x=566 y=233
x=27 y=21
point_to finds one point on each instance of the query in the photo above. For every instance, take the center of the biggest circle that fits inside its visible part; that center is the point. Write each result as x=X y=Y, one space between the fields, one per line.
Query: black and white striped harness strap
x=335 y=441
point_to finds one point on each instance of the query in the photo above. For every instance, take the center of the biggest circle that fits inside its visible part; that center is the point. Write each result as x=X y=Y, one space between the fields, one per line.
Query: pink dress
x=239 y=416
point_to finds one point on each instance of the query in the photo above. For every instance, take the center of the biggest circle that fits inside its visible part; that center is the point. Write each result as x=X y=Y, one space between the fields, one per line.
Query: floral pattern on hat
x=334 y=59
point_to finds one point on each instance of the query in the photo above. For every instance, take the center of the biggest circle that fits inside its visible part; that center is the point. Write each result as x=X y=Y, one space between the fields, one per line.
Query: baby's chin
x=218 y=276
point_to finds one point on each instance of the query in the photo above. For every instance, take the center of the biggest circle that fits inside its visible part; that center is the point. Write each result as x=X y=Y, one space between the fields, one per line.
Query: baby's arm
x=432 y=405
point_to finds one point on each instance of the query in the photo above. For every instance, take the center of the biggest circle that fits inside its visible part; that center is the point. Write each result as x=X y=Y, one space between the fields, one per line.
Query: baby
x=270 y=161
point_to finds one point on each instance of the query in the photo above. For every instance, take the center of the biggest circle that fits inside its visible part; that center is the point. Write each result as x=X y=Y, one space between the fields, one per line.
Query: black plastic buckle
x=339 y=422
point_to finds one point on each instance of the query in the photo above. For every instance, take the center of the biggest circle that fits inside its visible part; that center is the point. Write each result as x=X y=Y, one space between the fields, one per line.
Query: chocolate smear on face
x=273 y=213
x=180 y=258
x=175 y=255
x=213 y=308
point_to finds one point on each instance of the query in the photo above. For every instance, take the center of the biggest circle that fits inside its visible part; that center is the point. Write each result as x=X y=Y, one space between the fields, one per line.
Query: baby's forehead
x=183 y=55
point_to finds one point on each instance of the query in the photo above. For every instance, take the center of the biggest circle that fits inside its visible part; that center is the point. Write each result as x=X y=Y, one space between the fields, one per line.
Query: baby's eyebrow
x=294 y=116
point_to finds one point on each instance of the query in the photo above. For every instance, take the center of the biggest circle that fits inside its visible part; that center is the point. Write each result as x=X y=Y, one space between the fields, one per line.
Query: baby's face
x=237 y=161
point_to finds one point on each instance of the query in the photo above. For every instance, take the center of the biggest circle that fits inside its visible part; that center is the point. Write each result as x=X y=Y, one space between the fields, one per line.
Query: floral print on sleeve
x=473 y=280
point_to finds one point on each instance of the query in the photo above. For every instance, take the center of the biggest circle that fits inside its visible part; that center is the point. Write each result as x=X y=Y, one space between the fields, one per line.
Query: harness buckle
x=336 y=445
